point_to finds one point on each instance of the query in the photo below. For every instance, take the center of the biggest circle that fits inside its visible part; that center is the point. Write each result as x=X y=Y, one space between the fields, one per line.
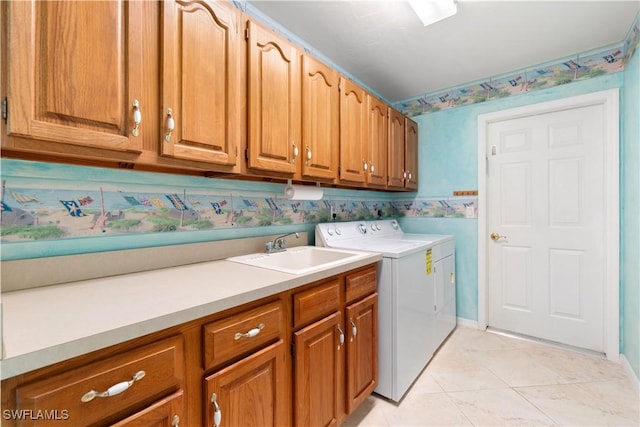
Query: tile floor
x=485 y=379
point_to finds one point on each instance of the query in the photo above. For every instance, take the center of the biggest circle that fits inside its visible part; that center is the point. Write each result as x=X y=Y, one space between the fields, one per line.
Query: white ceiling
x=384 y=45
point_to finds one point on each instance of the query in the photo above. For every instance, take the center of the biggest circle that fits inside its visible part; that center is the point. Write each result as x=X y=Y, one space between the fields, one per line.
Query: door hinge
x=4 y=109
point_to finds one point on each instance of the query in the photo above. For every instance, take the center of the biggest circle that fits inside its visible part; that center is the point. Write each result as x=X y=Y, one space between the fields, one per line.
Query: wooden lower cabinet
x=247 y=392
x=318 y=357
x=335 y=360
x=362 y=350
x=304 y=357
x=165 y=413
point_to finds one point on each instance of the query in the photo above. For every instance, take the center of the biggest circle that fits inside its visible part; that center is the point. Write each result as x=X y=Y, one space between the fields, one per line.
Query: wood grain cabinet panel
x=353 y=132
x=316 y=302
x=361 y=283
x=411 y=156
x=362 y=350
x=377 y=136
x=163 y=367
x=396 y=153
x=250 y=392
x=273 y=102
x=167 y=412
x=74 y=72
x=201 y=78
x=320 y=120
x=241 y=333
x=318 y=363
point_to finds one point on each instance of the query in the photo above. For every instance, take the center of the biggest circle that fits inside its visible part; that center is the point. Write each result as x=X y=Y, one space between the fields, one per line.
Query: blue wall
x=448 y=162
x=630 y=217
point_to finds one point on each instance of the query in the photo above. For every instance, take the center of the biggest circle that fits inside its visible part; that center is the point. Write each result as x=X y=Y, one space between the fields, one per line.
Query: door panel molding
x=609 y=99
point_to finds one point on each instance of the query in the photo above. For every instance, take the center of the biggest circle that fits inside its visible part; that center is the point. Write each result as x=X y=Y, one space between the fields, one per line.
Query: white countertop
x=42 y=326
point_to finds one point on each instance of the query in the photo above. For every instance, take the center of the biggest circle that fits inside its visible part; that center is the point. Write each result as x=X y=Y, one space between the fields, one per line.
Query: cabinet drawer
x=316 y=302
x=61 y=396
x=238 y=334
x=361 y=283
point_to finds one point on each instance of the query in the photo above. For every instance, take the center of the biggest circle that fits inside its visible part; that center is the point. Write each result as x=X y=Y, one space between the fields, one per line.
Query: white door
x=546 y=212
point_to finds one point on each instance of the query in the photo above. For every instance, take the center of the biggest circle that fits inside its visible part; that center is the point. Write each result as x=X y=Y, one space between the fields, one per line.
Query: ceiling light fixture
x=431 y=11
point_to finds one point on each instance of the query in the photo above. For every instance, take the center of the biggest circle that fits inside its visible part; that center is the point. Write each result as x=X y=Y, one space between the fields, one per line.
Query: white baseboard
x=467 y=323
x=630 y=372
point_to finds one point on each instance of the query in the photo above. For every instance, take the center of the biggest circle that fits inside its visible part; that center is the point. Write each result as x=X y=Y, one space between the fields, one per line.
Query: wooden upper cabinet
x=274 y=99
x=320 y=120
x=411 y=154
x=378 y=135
x=75 y=71
x=353 y=132
x=201 y=81
x=396 y=156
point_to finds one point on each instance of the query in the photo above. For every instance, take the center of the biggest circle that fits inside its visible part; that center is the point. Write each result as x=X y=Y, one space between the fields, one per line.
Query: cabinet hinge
x=246 y=33
x=246 y=154
x=4 y=109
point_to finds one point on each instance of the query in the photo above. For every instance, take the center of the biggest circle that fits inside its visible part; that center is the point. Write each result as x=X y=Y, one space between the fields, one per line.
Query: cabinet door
x=75 y=71
x=396 y=155
x=274 y=102
x=362 y=350
x=250 y=392
x=201 y=78
x=320 y=120
x=317 y=366
x=378 y=135
x=411 y=154
x=353 y=132
x=167 y=412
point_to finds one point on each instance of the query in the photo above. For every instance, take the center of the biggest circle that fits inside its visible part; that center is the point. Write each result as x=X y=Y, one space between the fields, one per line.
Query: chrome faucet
x=279 y=244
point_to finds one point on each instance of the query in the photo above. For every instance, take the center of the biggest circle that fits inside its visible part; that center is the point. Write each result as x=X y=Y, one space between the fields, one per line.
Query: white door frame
x=609 y=99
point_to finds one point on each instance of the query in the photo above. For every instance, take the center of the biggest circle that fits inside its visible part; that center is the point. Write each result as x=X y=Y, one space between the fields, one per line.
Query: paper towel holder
x=303 y=192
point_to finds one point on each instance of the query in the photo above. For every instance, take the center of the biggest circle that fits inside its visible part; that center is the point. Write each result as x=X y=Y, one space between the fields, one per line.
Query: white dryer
x=411 y=325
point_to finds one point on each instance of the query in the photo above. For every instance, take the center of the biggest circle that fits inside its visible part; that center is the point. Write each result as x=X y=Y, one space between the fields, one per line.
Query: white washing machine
x=411 y=319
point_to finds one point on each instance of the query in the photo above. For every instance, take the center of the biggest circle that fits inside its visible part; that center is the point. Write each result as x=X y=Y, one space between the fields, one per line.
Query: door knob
x=495 y=236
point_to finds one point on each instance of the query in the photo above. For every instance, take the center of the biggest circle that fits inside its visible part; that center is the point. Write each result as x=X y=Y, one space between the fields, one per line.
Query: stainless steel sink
x=300 y=259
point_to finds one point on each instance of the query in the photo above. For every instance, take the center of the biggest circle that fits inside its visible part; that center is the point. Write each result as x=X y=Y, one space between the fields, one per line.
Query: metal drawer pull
x=137 y=118
x=354 y=329
x=114 y=389
x=252 y=333
x=295 y=152
x=341 y=339
x=217 y=413
x=171 y=124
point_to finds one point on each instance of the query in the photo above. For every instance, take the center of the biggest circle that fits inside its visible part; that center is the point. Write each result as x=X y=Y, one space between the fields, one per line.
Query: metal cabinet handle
x=404 y=174
x=217 y=413
x=175 y=421
x=137 y=118
x=341 y=339
x=365 y=166
x=295 y=152
x=250 y=334
x=114 y=389
x=354 y=329
x=309 y=154
x=171 y=124
x=372 y=168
